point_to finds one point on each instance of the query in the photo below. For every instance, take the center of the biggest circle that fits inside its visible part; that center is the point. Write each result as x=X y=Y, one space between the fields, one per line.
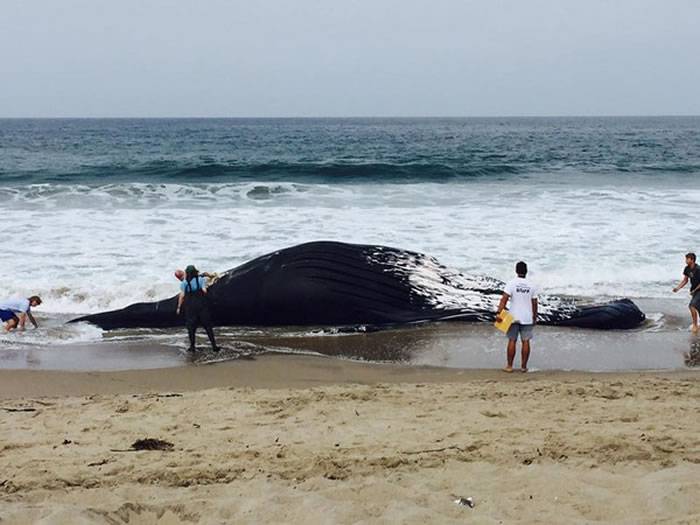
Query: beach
x=359 y=190
x=300 y=439
x=347 y=422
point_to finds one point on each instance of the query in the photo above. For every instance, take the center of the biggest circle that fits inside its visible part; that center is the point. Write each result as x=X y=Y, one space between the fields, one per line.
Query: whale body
x=339 y=284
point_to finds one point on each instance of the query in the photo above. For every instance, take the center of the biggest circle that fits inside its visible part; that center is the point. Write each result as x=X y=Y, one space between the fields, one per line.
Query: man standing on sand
x=14 y=312
x=692 y=272
x=523 y=306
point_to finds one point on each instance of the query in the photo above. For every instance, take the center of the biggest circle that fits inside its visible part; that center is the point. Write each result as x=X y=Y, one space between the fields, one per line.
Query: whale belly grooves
x=334 y=283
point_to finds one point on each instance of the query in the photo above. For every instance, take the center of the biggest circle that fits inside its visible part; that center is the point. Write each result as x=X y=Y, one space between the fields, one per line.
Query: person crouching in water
x=523 y=306
x=15 y=312
x=193 y=300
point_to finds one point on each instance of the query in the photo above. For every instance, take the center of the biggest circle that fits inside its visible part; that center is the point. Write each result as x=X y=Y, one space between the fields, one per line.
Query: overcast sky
x=157 y=58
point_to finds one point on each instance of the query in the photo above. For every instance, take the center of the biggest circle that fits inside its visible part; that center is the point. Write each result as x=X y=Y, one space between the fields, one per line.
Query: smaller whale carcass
x=328 y=283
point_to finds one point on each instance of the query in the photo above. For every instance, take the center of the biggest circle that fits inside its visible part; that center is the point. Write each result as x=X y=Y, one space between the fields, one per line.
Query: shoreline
x=279 y=371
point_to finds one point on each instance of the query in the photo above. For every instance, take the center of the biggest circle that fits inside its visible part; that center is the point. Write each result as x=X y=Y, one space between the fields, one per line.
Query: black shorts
x=8 y=315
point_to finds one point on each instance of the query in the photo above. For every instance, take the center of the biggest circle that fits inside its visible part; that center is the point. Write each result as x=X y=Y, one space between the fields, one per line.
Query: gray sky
x=348 y=58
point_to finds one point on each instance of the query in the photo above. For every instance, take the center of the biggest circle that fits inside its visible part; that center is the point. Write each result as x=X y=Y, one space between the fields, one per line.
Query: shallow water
x=662 y=343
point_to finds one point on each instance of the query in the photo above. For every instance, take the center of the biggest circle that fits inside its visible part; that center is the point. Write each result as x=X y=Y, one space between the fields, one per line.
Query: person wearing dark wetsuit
x=691 y=273
x=195 y=304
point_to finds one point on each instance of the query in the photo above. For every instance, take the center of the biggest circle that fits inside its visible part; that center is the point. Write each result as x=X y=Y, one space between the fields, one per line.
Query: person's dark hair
x=521 y=269
x=191 y=272
x=35 y=298
x=690 y=255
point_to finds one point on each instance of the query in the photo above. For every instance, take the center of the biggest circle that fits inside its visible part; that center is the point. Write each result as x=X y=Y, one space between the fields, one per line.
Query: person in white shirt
x=522 y=295
x=15 y=312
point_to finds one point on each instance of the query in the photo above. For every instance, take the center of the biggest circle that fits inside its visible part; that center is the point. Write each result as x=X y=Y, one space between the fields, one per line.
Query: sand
x=290 y=439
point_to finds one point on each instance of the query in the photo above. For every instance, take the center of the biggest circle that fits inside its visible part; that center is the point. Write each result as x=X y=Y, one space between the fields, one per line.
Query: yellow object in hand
x=503 y=321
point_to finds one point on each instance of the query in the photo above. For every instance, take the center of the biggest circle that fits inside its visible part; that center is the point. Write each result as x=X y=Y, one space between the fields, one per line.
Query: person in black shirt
x=691 y=273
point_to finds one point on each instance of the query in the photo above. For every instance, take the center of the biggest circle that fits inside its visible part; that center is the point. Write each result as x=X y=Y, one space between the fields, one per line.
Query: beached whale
x=340 y=284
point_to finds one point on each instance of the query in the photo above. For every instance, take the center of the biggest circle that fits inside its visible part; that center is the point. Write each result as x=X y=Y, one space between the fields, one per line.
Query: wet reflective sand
x=447 y=344
x=663 y=343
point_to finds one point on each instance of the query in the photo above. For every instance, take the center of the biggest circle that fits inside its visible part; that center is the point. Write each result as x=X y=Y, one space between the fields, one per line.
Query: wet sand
x=452 y=345
x=299 y=439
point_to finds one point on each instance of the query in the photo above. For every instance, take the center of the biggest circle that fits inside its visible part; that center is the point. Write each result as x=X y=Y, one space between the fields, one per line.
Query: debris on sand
x=151 y=444
x=465 y=502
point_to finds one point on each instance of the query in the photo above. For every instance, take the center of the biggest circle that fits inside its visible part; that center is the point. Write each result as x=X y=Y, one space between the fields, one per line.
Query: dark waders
x=196 y=307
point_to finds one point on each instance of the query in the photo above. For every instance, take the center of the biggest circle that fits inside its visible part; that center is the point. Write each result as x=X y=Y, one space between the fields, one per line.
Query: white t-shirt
x=15 y=305
x=521 y=292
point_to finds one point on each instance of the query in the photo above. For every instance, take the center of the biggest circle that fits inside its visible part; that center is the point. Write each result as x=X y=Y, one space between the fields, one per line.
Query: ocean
x=100 y=212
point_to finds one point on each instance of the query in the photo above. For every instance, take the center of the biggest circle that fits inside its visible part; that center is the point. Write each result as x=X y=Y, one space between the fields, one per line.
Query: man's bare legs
x=694 y=315
x=511 y=355
x=524 y=356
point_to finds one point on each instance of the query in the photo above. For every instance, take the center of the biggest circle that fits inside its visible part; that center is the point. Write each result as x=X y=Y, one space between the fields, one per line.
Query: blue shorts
x=6 y=315
x=525 y=331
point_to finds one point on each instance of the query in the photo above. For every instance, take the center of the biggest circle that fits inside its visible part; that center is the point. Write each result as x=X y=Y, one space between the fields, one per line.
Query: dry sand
x=312 y=440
